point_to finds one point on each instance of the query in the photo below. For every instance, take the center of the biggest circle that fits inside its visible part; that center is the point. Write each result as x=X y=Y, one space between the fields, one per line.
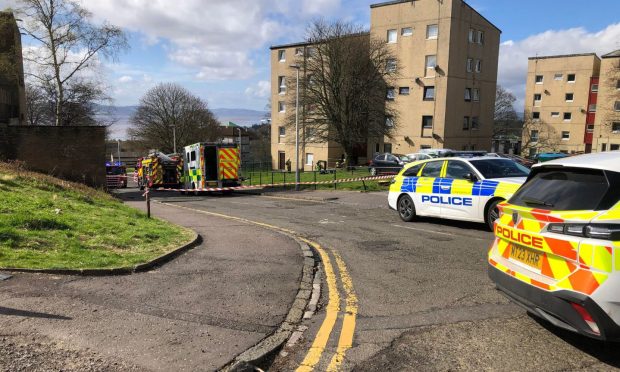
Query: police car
x=557 y=245
x=467 y=189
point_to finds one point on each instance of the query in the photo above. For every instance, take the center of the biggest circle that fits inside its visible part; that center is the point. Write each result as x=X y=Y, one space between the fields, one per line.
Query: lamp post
x=296 y=67
x=118 y=150
x=174 y=139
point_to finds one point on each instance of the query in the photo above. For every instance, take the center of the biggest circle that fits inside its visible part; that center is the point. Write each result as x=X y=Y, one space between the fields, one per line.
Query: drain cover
x=5 y=277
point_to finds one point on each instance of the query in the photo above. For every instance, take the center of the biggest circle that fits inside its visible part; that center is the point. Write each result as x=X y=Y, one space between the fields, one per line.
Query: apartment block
x=12 y=88
x=606 y=133
x=447 y=56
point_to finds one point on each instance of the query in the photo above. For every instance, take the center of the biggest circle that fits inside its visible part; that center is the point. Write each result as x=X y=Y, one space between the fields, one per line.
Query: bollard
x=335 y=184
x=148 y=204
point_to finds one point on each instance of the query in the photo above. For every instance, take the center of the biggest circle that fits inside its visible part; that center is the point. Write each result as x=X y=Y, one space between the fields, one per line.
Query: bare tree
x=39 y=110
x=345 y=74
x=505 y=115
x=69 y=45
x=170 y=106
x=609 y=95
x=538 y=136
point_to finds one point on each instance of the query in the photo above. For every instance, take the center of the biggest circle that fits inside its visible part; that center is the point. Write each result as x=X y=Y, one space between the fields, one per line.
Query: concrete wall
x=72 y=153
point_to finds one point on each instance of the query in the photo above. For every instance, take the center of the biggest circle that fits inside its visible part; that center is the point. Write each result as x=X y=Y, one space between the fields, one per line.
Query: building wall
x=605 y=138
x=553 y=97
x=73 y=153
x=12 y=89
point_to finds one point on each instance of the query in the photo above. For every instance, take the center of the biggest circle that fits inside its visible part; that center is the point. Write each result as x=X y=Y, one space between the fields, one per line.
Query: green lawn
x=255 y=178
x=48 y=223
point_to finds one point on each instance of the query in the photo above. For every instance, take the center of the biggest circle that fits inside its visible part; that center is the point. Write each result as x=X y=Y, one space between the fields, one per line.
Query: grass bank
x=48 y=223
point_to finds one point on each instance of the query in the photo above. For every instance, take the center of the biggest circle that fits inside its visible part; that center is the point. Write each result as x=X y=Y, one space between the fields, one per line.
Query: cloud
x=513 y=55
x=262 y=89
x=125 y=79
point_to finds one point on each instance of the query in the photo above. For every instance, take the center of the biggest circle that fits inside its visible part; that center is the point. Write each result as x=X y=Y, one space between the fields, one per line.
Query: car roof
x=456 y=158
x=603 y=160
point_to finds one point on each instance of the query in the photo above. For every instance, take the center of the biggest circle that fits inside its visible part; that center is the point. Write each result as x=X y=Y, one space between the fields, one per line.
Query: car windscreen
x=115 y=170
x=404 y=158
x=563 y=189
x=499 y=168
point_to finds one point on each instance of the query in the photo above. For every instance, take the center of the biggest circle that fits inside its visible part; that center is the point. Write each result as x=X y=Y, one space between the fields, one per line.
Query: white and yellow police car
x=557 y=244
x=467 y=189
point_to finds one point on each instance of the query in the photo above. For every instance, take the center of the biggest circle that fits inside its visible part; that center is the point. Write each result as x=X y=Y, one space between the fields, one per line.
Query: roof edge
x=565 y=56
x=614 y=54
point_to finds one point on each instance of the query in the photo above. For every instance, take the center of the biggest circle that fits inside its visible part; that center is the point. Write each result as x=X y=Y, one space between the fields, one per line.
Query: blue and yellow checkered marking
x=409 y=184
x=449 y=186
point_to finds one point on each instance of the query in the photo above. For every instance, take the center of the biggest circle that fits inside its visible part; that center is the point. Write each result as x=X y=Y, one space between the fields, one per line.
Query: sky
x=219 y=49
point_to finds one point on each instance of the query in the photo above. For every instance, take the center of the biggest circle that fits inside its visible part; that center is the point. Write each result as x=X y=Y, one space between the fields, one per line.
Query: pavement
x=195 y=313
x=411 y=296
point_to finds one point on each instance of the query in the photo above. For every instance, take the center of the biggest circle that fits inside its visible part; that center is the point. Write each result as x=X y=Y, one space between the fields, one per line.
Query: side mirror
x=471 y=177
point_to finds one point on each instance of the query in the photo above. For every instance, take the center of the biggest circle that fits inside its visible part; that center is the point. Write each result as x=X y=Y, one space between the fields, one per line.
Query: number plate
x=527 y=256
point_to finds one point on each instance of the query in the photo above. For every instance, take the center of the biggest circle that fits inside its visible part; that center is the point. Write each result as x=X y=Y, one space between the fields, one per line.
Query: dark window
x=427 y=122
x=614 y=147
x=458 y=170
x=466 y=123
x=537 y=97
x=570 y=77
x=570 y=96
x=380 y=157
x=615 y=127
x=429 y=93
x=281 y=131
x=391 y=93
x=413 y=171
x=387 y=147
x=475 y=124
x=403 y=91
x=500 y=168
x=391 y=159
x=376 y=147
x=563 y=190
x=432 y=169
x=535 y=115
x=193 y=156
x=539 y=79
x=467 y=94
x=567 y=116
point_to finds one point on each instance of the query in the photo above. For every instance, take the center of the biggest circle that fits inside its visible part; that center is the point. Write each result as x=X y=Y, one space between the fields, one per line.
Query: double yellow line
x=345 y=341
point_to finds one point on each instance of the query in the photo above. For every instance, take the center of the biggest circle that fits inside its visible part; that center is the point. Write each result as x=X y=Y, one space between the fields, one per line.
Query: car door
x=428 y=197
x=391 y=164
x=460 y=203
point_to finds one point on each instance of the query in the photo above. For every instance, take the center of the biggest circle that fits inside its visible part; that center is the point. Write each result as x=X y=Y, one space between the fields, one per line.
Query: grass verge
x=48 y=223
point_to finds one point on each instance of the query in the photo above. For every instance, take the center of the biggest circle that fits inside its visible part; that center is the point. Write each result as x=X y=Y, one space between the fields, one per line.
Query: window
x=389 y=121
x=534 y=136
x=282 y=131
x=413 y=171
x=310 y=51
x=466 y=123
x=387 y=147
x=431 y=62
x=615 y=127
x=299 y=51
x=458 y=170
x=592 y=107
x=429 y=93
x=281 y=84
x=427 y=122
x=555 y=114
x=403 y=91
x=281 y=106
x=391 y=93
x=309 y=159
x=558 y=77
x=391 y=36
x=476 y=93
x=467 y=94
x=617 y=106
x=478 y=66
x=568 y=116
x=618 y=84
x=570 y=97
x=406 y=31
x=470 y=64
x=282 y=55
x=499 y=168
x=565 y=135
x=432 y=169
x=594 y=88
x=537 y=99
x=390 y=65
x=193 y=156
x=614 y=147
x=570 y=78
x=432 y=31
x=535 y=115
x=539 y=79
x=590 y=128
x=475 y=125
x=480 y=39
x=472 y=35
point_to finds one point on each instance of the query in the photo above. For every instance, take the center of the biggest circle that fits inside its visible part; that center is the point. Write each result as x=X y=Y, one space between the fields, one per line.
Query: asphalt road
x=418 y=294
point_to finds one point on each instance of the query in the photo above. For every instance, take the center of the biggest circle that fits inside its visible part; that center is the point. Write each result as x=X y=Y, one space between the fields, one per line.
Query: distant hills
x=122 y=115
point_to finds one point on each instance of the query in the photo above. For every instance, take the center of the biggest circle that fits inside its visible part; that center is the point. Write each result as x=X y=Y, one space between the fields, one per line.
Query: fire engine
x=159 y=170
x=211 y=165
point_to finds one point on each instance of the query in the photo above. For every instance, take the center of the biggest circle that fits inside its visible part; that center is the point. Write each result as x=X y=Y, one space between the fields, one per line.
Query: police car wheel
x=406 y=209
x=492 y=213
x=373 y=171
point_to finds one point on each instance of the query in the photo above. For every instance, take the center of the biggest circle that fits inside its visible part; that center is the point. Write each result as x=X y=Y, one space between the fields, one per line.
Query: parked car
x=387 y=163
x=466 y=189
x=547 y=156
x=419 y=156
x=436 y=153
x=521 y=160
x=557 y=244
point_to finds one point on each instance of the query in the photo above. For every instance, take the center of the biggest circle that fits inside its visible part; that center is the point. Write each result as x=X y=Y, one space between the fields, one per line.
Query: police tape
x=248 y=187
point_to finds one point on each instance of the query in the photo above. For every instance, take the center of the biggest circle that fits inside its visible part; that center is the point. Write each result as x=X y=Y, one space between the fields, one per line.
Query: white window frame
x=536 y=118
x=570 y=116
x=467 y=95
x=470 y=65
x=594 y=88
x=616 y=123
x=430 y=27
x=542 y=79
x=571 y=81
x=407 y=91
x=539 y=100
x=617 y=106
x=281 y=106
x=475 y=95
x=566 y=97
x=390 y=94
x=424 y=122
x=281 y=84
x=472 y=36
x=558 y=77
x=406 y=31
x=309 y=158
x=592 y=107
x=282 y=131
x=299 y=51
x=426 y=90
x=567 y=138
x=429 y=67
x=389 y=122
x=480 y=37
x=282 y=55
x=392 y=32
x=555 y=114
x=478 y=67
x=534 y=136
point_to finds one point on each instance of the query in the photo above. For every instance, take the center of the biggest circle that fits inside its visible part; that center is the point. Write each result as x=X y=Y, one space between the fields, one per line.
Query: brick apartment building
x=445 y=94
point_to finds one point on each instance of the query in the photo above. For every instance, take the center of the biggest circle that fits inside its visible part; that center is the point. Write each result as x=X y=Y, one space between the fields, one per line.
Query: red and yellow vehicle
x=159 y=170
x=557 y=244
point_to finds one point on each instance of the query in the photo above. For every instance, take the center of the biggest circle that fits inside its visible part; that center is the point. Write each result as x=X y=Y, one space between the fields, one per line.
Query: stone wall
x=70 y=152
